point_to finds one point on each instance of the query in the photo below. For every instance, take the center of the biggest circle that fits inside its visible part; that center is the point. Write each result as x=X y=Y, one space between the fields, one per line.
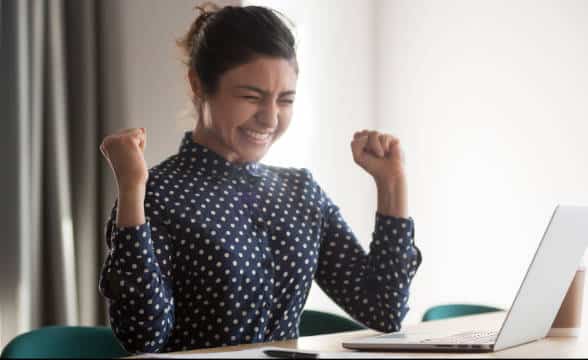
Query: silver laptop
x=535 y=305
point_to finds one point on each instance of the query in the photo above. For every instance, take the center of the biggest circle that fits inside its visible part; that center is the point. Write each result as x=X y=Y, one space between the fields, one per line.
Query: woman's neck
x=209 y=139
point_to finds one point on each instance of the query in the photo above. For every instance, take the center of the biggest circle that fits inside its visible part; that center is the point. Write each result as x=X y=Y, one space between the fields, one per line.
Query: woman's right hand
x=124 y=151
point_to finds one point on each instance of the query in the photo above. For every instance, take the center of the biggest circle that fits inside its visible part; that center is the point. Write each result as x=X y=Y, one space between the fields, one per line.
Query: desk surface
x=548 y=347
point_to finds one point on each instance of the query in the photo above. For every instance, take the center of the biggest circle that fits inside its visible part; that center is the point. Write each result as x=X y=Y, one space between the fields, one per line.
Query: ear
x=195 y=84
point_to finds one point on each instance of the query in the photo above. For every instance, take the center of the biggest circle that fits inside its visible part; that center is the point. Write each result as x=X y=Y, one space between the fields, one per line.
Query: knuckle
x=106 y=143
x=129 y=136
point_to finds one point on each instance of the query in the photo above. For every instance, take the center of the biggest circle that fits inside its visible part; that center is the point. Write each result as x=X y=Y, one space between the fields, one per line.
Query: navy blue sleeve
x=373 y=287
x=136 y=281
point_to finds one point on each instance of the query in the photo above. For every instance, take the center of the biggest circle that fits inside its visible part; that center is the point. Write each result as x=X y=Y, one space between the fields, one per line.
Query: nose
x=269 y=116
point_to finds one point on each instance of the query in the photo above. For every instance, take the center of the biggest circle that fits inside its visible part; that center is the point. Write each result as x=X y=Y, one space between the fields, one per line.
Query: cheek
x=230 y=116
x=241 y=113
x=284 y=123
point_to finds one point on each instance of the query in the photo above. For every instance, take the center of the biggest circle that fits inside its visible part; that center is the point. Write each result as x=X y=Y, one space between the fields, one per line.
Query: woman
x=212 y=248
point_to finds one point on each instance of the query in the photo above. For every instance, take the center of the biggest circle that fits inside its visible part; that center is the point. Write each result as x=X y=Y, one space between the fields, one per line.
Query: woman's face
x=251 y=109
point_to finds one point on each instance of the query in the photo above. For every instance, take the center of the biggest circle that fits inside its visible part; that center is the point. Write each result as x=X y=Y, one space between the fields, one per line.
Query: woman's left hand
x=380 y=155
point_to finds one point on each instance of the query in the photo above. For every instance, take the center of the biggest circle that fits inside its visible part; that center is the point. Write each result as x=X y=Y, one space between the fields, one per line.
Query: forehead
x=271 y=74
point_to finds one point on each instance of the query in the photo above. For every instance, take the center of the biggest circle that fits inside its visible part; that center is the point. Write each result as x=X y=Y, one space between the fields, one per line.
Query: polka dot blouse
x=229 y=251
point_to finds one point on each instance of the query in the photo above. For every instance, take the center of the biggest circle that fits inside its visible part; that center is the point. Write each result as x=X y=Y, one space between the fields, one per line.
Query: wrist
x=390 y=181
x=392 y=198
x=131 y=191
x=131 y=210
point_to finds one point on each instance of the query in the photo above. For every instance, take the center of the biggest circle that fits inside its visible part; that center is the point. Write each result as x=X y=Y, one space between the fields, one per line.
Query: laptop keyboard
x=470 y=337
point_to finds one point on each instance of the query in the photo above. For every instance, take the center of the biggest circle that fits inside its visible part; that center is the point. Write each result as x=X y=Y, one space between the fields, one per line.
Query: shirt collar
x=206 y=160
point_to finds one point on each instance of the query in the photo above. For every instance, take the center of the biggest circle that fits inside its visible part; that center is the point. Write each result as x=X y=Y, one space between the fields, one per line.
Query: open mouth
x=256 y=136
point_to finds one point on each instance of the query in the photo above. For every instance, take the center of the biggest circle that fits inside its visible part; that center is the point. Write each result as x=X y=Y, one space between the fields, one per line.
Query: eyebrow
x=263 y=92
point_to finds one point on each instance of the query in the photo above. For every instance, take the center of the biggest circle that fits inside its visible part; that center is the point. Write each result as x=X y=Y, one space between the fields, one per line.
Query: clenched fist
x=378 y=154
x=381 y=156
x=124 y=151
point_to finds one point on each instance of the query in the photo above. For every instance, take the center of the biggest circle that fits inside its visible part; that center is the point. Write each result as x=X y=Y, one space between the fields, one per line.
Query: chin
x=253 y=156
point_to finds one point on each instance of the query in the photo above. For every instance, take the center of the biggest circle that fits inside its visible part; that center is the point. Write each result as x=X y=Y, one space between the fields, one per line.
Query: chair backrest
x=65 y=342
x=454 y=310
x=318 y=323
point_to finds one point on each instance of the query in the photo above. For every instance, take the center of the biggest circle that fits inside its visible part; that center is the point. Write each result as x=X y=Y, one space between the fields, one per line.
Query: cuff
x=132 y=247
x=394 y=228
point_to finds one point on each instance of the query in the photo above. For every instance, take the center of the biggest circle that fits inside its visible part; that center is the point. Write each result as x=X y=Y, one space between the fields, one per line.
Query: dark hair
x=223 y=38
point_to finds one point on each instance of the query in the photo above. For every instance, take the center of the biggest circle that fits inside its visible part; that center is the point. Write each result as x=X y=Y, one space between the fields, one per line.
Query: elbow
x=140 y=346
x=391 y=320
x=141 y=333
x=386 y=325
x=141 y=341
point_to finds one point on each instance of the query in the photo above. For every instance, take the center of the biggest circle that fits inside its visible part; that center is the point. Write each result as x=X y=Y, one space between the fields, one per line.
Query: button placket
x=248 y=183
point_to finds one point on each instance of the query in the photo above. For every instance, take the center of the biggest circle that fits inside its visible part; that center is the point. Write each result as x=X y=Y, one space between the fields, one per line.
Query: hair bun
x=190 y=40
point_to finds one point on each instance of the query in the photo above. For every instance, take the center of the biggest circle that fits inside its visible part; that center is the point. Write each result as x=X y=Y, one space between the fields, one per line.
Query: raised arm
x=136 y=278
x=372 y=287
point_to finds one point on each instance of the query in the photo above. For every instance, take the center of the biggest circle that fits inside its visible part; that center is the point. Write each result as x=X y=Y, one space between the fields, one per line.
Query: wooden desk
x=548 y=347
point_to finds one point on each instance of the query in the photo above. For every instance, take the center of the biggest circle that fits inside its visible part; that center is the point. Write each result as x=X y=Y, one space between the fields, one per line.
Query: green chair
x=454 y=310
x=65 y=342
x=318 y=323
x=100 y=342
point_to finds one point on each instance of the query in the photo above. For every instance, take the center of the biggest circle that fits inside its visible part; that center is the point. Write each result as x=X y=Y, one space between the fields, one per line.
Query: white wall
x=490 y=100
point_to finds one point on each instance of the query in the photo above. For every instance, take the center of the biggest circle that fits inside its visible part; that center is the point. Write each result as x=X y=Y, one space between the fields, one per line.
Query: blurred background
x=489 y=99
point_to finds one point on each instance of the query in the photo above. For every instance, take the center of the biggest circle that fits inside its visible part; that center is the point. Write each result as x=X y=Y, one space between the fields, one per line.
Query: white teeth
x=257 y=135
